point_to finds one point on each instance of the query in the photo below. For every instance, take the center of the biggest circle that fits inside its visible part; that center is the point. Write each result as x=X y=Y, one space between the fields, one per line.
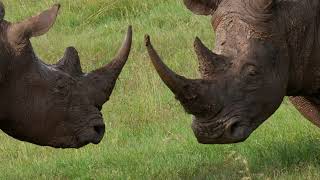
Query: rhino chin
x=233 y=131
x=93 y=134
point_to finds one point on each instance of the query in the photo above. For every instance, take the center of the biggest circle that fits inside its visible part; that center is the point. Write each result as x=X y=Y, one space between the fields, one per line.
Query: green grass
x=148 y=133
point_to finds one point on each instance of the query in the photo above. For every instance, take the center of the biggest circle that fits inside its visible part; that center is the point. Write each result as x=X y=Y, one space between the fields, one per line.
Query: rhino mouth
x=229 y=131
x=92 y=134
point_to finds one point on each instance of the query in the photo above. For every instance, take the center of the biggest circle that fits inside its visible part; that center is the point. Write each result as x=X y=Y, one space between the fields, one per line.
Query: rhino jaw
x=232 y=131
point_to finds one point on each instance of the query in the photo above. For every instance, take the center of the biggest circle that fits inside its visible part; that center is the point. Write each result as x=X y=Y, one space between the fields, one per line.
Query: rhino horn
x=70 y=63
x=182 y=87
x=209 y=62
x=2 y=11
x=105 y=77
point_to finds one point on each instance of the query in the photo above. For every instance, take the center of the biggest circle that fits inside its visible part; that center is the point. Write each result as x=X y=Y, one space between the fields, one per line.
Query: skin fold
x=264 y=50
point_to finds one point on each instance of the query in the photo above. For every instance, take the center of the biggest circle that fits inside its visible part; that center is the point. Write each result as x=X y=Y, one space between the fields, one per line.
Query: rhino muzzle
x=219 y=132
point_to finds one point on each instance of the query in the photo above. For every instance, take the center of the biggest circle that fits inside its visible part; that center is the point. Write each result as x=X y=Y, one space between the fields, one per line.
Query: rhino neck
x=301 y=21
x=311 y=65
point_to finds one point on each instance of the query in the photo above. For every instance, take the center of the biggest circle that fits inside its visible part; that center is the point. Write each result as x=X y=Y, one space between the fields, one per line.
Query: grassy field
x=148 y=133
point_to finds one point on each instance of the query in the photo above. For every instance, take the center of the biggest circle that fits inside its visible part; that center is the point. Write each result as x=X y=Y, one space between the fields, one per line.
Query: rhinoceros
x=51 y=105
x=264 y=50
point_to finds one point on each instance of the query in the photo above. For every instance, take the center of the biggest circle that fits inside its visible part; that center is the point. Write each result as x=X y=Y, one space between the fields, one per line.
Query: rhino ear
x=202 y=7
x=34 y=26
x=2 y=11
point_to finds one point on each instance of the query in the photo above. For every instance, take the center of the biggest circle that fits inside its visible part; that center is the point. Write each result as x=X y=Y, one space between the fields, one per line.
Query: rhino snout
x=231 y=131
x=100 y=130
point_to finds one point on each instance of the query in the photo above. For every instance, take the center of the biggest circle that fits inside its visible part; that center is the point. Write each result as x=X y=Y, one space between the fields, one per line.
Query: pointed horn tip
x=71 y=50
x=130 y=28
x=147 y=40
x=2 y=10
x=129 y=32
x=198 y=42
x=128 y=37
x=57 y=6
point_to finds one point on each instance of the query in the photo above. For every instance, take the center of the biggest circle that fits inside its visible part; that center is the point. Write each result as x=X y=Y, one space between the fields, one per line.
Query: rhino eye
x=252 y=73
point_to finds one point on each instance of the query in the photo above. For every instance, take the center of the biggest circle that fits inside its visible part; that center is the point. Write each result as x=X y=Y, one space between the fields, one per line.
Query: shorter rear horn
x=106 y=77
x=70 y=63
x=209 y=62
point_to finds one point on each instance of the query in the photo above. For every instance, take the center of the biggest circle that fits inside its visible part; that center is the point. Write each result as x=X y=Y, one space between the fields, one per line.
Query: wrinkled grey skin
x=51 y=105
x=264 y=50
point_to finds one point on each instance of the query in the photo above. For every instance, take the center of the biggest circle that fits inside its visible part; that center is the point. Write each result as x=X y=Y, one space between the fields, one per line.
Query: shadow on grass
x=265 y=160
x=304 y=150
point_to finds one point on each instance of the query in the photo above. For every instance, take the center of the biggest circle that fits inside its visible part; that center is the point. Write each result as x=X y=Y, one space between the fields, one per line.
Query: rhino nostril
x=100 y=129
x=238 y=130
x=234 y=129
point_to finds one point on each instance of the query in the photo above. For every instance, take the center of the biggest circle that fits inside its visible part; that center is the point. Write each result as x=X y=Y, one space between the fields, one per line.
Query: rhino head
x=51 y=105
x=243 y=81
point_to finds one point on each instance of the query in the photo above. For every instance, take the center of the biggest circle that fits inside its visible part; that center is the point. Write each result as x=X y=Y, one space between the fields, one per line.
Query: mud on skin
x=259 y=58
x=51 y=105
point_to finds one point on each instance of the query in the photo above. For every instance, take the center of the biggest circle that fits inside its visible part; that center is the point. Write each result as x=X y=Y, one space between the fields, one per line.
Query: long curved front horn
x=105 y=78
x=182 y=87
x=2 y=11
